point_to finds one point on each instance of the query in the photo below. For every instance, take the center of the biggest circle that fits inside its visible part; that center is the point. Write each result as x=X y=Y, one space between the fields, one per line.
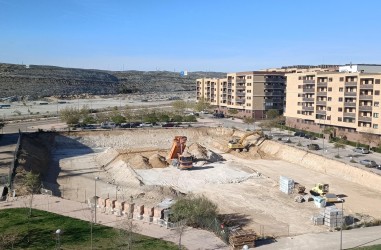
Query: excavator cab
x=320 y=189
x=177 y=157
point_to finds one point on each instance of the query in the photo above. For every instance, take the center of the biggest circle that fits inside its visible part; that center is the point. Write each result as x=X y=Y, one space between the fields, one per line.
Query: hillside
x=40 y=81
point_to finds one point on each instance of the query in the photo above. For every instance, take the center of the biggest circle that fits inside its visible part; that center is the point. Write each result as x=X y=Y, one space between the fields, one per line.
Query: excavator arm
x=178 y=147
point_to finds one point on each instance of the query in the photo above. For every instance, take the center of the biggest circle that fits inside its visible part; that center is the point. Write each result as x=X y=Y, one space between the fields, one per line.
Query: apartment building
x=250 y=93
x=348 y=101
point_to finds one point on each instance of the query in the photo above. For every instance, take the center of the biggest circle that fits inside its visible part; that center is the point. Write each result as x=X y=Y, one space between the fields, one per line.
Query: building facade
x=347 y=101
x=251 y=94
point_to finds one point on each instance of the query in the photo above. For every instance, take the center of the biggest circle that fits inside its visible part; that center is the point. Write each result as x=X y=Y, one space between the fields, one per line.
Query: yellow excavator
x=178 y=156
x=237 y=143
x=320 y=189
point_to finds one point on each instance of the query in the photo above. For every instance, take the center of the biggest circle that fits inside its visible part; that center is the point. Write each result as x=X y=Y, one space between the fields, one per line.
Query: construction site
x=237 y=170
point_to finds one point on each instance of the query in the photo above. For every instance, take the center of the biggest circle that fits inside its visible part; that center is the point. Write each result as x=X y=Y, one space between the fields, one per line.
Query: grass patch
x=76 y=233
x=375 y=247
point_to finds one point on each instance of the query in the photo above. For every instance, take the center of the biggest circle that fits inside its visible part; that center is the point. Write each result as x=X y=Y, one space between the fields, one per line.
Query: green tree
x=88 y=119
x=190 y=118
x=179 y=106
x=248 y=121
x=201 y=105
x=150 y=117
x=70 y=115
x=177 y=118
x=195 y=209
x=340 y=144
x=233 y=111
x=163 y=117
x=117 y=117
x=272 y=114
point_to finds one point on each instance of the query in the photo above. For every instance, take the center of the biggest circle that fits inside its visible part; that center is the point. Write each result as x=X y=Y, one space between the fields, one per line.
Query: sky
x=193 y=35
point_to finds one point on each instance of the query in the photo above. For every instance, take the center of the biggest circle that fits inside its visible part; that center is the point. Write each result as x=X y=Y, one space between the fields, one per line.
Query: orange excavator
x=177 y=157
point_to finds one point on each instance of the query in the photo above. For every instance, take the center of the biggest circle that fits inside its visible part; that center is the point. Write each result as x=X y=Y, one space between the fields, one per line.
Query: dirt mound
x=203 y=154
x=157 y=161
x=139 y=162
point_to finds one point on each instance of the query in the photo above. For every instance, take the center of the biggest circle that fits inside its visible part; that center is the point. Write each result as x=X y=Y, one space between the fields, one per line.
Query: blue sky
x=214 y=35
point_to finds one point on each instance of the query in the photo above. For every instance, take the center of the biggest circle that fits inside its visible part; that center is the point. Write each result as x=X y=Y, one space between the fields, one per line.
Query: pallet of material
x=240 y=238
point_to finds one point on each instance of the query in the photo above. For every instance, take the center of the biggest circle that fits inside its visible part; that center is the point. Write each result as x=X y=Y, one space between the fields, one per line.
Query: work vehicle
x=299 y=188
x=237 y=143
x=368 y=163
x=361 y=150
x=332 y=198
x=313 y=146
x=320 y=189
x=178 y=156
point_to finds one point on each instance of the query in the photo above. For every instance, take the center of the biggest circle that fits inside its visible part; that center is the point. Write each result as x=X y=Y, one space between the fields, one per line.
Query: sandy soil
x=245 y=184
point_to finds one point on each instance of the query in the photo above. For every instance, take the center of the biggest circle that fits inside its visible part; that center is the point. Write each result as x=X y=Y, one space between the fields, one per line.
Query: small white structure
x=361 y=68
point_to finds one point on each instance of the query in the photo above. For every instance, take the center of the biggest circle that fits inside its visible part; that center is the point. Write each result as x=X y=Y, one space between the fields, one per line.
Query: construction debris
x=240 y=238
x=333 y=217
x=299 y=199
x=299 y=188
x=318 y=219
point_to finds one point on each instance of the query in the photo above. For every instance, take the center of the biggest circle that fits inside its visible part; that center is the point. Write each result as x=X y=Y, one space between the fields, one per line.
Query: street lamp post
x=342 y=222
x=58 y=241
x=95 y=203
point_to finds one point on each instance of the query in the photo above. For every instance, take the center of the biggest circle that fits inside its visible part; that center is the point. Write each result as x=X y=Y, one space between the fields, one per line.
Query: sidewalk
x=191 y=238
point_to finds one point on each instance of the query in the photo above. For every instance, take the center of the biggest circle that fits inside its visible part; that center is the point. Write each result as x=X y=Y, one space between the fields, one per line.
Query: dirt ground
x=244 y=185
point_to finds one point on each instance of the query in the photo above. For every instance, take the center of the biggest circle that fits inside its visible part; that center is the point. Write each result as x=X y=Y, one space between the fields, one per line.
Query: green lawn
x=375 y=247
x=76 y=233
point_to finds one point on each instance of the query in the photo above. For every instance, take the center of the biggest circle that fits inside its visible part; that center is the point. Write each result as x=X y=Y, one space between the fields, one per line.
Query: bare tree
x=340 y=144
x=368 y=137
x=7 y=240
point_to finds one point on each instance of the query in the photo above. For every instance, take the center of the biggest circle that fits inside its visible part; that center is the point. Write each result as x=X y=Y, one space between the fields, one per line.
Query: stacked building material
x=318 y=219
x=333 y=217
x=240 y=238
x=286 y=185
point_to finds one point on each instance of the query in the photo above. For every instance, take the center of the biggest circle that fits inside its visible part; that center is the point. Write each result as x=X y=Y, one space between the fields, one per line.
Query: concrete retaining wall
x=322 y=164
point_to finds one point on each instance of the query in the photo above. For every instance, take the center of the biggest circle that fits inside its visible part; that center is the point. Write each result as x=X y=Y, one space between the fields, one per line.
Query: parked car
x=368 y=163
x=311 y=137
x=297 y=133
x=378 y=166
x=302 y=134
x=168 y=125
x=361 y=150
x=313 y=146
x=144 y=125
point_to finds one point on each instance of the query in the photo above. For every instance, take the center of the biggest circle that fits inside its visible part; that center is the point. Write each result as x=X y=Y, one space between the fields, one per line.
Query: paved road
x=191 y=239
x=329 y=240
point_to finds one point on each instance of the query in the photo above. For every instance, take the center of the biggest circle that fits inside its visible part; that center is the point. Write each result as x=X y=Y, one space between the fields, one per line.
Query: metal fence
x=14 y=164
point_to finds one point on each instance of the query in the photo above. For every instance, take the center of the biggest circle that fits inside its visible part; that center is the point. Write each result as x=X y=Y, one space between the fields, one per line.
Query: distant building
x=347 y=101
x=250 y=93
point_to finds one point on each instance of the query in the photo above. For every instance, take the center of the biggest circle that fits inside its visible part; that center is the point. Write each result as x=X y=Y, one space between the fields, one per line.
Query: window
x=329 y=89
x=339 y=119
x=298 y=112
x=377 y=92
x=330 y=79
x=375 y=126
x=248 y=91
x=300 y=78
x=341 y=79
x=299 y=104
x=376 y=104
x=340 y=109
x=341 y=89
x=340 y=99
x=328 y=108
x=248 y=84
x=377 y=81
x=375 y=115
x=329 y=99
x=249 y=77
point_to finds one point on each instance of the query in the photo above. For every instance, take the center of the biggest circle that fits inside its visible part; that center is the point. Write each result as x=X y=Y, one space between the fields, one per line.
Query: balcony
x=308 y=99
x=321 y=93
x=322 y=84
x=309 y=90
x=241 y=87
x=366 y=97
x=365 y=108
x=309 y=81
x=240 y=94
x=351 y=84
x=238 y=80
x=365 y=119
x=322 y=103
x=321 y=112
x=350 y=93
x=349 y=104
x=351 y=115
x=309 y=108
x=241 y=101
x=366 y=86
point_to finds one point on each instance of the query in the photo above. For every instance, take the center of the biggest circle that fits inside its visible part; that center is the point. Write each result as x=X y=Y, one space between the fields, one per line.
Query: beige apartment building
x=250 y=93
x=348 y=101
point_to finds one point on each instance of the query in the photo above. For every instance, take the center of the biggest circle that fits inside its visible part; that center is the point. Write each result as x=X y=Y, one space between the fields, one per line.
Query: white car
x=361 y=150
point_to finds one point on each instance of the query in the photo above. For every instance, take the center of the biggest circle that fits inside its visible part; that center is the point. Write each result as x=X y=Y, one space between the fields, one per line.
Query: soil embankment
x=321 y=164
